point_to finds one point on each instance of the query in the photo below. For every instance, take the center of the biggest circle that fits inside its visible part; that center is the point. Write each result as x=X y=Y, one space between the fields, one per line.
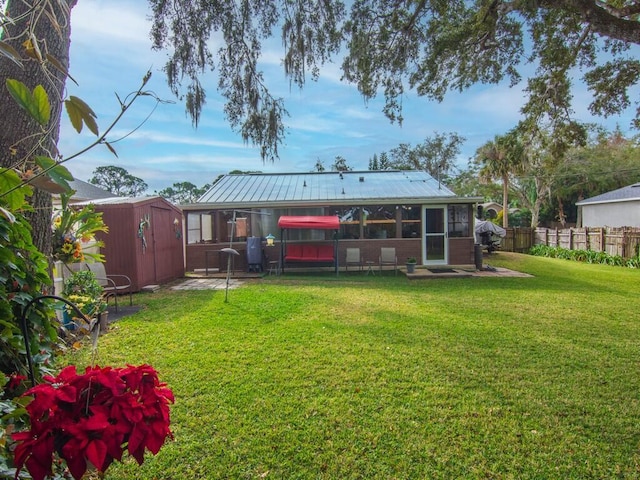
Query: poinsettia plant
x=89 y=420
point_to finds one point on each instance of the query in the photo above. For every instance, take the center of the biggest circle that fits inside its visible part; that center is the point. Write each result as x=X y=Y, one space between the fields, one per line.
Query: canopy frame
x=309 y=222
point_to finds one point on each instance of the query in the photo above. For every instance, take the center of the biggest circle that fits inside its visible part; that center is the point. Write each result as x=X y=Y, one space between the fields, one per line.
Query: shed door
x=435 y=235
x=163 y=243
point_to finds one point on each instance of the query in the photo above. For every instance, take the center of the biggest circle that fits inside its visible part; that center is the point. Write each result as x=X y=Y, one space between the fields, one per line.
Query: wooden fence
x=519 y=239
x=623 y=241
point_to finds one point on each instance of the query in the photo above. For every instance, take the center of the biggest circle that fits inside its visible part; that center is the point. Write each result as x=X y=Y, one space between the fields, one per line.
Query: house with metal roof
x=617 y=208
x=407 y=210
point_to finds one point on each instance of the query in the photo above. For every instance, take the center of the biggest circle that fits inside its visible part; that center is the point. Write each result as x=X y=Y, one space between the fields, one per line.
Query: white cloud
x=114 y=21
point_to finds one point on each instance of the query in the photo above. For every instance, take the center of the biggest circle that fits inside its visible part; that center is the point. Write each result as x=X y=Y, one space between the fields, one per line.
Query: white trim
x=445 y=209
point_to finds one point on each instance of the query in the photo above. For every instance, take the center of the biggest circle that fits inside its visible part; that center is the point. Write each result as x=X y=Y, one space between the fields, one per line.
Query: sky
x=111 y=52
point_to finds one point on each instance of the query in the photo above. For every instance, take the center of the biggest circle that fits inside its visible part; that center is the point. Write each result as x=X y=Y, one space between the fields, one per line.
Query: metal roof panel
x=329 y=187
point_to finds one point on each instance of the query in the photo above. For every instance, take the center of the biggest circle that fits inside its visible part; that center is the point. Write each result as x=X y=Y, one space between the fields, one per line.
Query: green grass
x=303 y=377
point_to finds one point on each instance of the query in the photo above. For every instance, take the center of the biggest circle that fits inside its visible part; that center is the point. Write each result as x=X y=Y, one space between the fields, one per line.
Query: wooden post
x=570 y=238
x=587 y=243
x=546 y=237
x=602 y=240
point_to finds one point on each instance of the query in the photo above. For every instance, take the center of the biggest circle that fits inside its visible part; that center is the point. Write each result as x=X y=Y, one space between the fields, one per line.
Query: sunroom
x=406 y=210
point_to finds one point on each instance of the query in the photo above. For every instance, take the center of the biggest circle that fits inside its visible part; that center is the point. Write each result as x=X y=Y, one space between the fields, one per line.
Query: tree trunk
x=21 y=138
x=562 y=217
x=505 y=201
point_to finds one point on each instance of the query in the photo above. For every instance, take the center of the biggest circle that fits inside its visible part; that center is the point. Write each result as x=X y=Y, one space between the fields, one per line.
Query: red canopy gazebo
x=309 y=222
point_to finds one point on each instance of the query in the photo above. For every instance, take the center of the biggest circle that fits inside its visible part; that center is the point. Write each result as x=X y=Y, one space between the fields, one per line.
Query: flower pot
x=411 y=267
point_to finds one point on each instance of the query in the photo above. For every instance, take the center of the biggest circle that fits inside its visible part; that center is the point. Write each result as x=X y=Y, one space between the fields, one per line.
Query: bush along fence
x=616 y=242
x=587 y=256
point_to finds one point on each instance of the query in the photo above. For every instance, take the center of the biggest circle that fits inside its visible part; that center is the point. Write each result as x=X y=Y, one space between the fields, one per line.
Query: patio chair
x=112 y=285
x=353 y=258
x=388 y=257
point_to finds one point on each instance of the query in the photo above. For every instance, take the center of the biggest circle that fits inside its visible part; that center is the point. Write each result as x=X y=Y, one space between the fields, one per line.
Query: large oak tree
x=388 y=47
x=43 y=60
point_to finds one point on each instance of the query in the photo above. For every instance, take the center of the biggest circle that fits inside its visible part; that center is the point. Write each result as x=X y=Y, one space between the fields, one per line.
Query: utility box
x=254 y=254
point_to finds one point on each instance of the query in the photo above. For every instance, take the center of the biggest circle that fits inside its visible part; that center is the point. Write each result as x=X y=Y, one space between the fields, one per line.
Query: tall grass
x=318 y=377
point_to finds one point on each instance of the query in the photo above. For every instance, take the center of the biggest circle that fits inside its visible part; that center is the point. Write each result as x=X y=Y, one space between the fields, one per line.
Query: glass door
x=435 y=235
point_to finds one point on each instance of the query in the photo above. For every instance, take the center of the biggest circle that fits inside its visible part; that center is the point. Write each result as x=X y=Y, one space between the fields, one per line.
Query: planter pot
x=411 y=267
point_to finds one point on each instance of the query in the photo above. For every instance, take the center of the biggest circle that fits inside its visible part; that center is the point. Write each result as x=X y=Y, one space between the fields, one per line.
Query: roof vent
x=341 y=177
x=304 y=184
x=361 y=179
x=343 y=191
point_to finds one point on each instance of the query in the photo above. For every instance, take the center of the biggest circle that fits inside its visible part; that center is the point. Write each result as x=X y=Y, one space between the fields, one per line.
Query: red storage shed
x=144 y=240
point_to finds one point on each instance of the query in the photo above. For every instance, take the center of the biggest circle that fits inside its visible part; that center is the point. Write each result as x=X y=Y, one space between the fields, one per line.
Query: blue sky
x=111 y=52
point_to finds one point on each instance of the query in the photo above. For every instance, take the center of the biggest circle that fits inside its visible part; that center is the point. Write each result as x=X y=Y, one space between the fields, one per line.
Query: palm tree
x=498 y=159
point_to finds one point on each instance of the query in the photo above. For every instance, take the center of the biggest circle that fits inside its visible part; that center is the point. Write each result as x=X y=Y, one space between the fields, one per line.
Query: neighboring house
x=490 y=209
x=618 y=208
x=84 y=192
x=408 y=210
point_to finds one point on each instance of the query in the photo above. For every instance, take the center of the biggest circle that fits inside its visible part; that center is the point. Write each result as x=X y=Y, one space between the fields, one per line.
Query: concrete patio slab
x=423 y=273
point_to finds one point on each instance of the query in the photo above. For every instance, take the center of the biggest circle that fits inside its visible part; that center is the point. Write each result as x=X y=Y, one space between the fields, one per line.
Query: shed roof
x=130 y=202
x=87 y=191
x=624 y=194
x=325 y=188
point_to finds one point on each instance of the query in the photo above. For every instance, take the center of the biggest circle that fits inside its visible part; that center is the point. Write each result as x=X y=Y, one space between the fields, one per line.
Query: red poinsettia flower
x=15 y=380
x=90 y=419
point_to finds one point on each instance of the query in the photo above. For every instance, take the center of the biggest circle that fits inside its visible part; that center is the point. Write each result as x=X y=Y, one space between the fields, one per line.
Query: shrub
x=83 y=289
x=588 y=256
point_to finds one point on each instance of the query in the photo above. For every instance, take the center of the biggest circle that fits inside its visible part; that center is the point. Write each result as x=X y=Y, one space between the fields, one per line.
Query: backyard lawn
x=359 y=377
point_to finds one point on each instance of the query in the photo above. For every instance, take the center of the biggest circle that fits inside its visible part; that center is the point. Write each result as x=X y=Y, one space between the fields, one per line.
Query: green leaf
x=62 y=171
x=44 y=162
x=86 y=109
x=111 y=149
x=58 y=66
x=58 y=173
x=60 y=179
x=36 y=104
x=42 y=104
x=88 y=115
x=81 y=114
x=11 y=53
x=74 y=115
x=7 y=214
x=20 y=93
x=9 y=180
x=91 y=125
